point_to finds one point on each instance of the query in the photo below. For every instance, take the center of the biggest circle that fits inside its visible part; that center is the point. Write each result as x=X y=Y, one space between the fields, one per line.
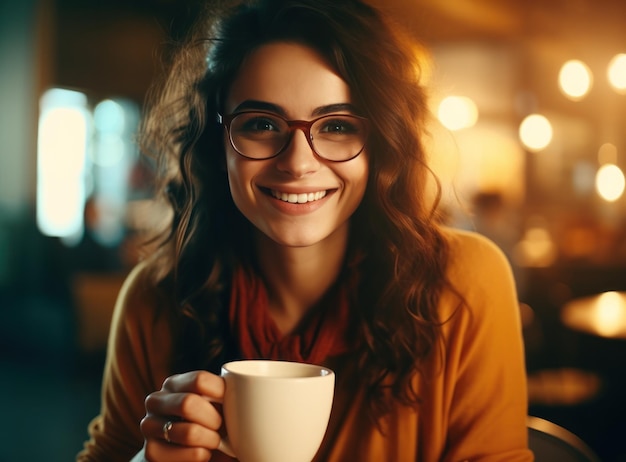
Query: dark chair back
x=551 y=442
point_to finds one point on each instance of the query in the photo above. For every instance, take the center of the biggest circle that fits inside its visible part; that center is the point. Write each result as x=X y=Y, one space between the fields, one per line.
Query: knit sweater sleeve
x=484 y=358
x=137 y=363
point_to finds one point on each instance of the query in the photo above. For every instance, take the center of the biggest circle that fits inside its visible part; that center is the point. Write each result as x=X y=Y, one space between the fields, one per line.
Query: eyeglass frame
x=293 y=125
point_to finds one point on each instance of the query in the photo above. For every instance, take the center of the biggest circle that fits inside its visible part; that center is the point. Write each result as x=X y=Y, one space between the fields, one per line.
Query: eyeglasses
x=263 y=135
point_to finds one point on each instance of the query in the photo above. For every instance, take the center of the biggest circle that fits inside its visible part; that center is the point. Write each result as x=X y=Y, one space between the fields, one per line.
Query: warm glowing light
x=575 y=79
x=610 y=182
x=617 y=73
x=562 y=386
x=536 y=249
x=61 y=155
x=610 y=313
x=535 y=132
x=457 y=112
x=603 y=314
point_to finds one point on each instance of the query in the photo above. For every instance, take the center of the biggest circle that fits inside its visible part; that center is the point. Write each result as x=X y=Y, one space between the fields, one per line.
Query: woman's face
x=295 y=82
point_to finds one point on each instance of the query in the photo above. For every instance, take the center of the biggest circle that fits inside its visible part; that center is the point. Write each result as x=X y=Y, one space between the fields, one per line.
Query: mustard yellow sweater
x=473 y=392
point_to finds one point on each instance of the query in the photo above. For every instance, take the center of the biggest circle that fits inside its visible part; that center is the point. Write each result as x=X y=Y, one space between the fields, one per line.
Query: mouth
x=302 y=198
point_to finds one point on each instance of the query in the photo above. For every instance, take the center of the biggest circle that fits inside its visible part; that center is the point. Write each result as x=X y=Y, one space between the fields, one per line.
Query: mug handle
x=226 y=447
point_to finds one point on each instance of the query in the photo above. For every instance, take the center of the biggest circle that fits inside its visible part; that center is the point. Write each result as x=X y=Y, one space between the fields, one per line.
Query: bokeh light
x=110 y=123
x=575 y=79
x=603 y=314
x=610 y=182
x=109 y=117
x=457 y=112
x=617 y=73
x=535 y=132
x=61 y=154
x=536 y=248
x=610 y=313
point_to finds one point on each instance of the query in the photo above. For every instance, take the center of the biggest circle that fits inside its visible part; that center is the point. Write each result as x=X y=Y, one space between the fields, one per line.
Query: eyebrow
x=255 y=105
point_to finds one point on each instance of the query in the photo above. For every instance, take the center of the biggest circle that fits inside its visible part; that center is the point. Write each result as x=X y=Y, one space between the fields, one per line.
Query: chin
x=295 y=239
x=295 y=242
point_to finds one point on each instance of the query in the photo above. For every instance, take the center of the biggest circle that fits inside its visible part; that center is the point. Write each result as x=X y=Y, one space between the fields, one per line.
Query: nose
x=298 y=158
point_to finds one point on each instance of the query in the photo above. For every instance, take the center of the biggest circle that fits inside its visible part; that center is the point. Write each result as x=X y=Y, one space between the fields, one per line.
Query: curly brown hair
x=395 y=227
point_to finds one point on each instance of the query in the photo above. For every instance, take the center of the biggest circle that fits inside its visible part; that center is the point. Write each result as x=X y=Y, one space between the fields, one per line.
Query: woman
x=290 y=138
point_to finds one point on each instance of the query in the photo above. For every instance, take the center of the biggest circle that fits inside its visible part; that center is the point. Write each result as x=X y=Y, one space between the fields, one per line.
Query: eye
x=339 y=126
x=258 y=124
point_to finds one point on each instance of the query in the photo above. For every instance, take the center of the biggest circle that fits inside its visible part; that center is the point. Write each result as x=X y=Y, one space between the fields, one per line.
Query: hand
x=186 y=401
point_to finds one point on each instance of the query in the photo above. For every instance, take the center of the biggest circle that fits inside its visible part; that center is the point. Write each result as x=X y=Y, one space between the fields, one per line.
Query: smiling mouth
x=302 y=198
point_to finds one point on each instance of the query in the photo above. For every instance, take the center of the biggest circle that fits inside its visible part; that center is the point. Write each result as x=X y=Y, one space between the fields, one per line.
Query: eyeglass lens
x=260 y=135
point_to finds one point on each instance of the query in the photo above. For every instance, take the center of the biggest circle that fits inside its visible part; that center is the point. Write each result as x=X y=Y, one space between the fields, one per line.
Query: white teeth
x=298 y=198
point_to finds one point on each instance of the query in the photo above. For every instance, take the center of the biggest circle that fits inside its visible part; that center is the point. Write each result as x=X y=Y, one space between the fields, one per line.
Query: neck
x=298 y=277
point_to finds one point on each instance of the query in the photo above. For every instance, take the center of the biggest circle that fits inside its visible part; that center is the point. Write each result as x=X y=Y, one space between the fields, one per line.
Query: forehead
x=292 y=76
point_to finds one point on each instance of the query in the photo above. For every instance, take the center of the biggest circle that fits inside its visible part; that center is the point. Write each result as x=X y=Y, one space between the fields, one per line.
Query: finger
x=199 y=382
x=185 y=406
x=179 y=433
x=157 y=450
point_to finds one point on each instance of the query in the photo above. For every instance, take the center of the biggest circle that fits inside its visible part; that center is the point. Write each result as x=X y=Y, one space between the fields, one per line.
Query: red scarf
x=325 y=333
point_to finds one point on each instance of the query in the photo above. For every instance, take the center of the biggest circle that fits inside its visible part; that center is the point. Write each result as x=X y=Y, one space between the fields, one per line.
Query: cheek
x=241 y=174
x=360 y=175
x=236 y=177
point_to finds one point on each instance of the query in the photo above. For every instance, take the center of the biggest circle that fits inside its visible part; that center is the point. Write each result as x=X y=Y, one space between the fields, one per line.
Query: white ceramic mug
x=275 y=411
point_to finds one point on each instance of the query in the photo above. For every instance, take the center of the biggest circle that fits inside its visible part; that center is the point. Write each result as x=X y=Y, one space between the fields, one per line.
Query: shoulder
x=138 y=282
x=468 y=246
x=473 y=257
x=479 y=273
x=140 y=301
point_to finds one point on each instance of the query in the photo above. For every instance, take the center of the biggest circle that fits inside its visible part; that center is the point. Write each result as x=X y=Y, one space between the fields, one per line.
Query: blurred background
x=529 y=141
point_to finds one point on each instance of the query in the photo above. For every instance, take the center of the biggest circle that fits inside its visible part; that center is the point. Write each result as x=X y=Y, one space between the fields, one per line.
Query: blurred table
x=603 y=315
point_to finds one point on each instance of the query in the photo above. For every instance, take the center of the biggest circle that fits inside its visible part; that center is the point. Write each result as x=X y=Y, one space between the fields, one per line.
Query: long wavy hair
x=402 y=272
